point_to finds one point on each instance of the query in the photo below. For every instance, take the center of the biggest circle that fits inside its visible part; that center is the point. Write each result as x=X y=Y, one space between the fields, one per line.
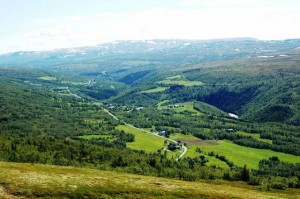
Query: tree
x=245 y=174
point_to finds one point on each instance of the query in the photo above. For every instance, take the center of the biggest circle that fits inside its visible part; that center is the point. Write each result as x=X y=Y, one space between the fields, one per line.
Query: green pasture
x=241 y=155
x=143 y=141
x=155 y=90
x=255 y=135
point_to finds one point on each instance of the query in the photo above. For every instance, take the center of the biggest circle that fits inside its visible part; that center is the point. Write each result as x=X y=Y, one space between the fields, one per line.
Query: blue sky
x=51 y=24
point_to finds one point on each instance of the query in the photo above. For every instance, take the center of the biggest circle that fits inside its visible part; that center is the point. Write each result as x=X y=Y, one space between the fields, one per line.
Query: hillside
x=256 y=80
x=42 y=181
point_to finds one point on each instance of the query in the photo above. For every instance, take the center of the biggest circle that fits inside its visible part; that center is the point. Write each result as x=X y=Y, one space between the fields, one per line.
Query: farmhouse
x=162 y=133
x=173 y=146
x=228 y=130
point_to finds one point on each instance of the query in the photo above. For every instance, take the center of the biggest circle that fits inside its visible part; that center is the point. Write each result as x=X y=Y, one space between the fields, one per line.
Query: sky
x=50 y=24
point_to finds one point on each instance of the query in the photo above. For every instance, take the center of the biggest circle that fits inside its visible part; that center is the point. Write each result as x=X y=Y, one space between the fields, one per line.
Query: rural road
x=171 y=140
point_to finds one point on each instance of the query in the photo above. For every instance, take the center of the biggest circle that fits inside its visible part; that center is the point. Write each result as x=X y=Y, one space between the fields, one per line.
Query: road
x=171 y=140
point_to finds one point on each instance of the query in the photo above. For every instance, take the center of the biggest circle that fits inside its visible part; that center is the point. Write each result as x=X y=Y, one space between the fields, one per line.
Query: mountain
x=255 y=79
x=173 y=51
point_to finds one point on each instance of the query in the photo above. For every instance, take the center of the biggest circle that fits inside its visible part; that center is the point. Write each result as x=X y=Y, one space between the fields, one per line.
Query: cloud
x=76 y=19
x=274 y=22
x=108 y=14
x=55 y=31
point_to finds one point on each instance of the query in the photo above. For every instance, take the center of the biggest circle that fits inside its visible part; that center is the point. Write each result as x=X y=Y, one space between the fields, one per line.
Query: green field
x=143 y=141
x=48 y=78
x=192 y=149
x=180 y=136
x=241 y=155
x=155 y=90
x=256 y=136
x=148 y=142
x=160 y=105
x=18 y=180
x=179 y=80
x=187 y=106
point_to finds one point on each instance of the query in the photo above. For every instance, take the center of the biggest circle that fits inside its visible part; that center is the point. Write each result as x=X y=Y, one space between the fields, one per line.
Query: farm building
x=173 y=146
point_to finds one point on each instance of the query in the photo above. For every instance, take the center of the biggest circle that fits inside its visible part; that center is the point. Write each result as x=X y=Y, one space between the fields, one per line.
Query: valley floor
x=19 y=180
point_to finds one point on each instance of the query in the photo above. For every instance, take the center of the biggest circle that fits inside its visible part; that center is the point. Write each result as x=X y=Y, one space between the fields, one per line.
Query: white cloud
x=76 y=19
x=215 y=19
x=108 y=14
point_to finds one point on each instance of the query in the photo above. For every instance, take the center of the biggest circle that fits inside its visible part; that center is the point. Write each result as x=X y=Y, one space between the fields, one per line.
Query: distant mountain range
x=194 y=51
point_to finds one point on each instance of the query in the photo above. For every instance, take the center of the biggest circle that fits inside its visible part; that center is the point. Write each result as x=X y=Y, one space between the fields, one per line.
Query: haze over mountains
x=191 y=50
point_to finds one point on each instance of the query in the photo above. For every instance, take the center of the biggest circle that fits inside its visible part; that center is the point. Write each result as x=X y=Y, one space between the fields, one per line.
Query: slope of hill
x=42 y=181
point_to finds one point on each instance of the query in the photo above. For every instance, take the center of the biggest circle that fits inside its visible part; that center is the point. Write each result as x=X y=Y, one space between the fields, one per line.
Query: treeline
x=68 y=152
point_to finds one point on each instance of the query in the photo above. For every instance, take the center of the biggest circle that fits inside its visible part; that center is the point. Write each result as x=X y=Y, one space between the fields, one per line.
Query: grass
x=186 y=106
x=255 y=135
x=192 y=146
x=147 y=142
x=179 y=136
x=155 y=90
x=143 y=141
x=241 y=155
x=180 y=80
x=48 y=78
x=160 y=105
x=19 y=180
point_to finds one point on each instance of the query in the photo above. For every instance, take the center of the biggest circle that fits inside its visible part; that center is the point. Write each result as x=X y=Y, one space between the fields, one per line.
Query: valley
x=154 y=119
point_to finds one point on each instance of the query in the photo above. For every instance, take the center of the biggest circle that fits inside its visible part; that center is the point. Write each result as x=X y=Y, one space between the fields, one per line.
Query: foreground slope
x=44 y=181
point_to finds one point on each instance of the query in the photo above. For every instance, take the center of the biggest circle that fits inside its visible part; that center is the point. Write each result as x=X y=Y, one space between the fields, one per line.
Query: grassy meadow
x=19 y=180
x=143 y=141
x=256 y=136
x=155 y=90
x=192 y=143
x=180 y=80
x=239 y=155
x=182 y=107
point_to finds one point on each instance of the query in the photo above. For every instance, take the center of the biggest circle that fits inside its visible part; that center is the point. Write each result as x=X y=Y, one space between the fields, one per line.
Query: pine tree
x=245 y=174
